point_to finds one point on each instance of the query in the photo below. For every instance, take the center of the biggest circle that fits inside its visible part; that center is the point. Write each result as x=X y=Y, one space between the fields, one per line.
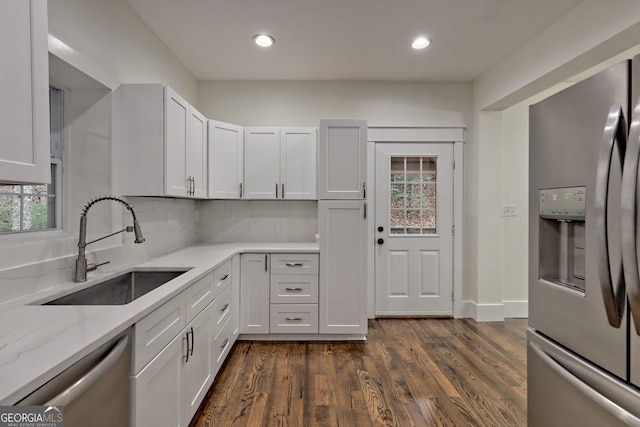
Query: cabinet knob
x=380 y=241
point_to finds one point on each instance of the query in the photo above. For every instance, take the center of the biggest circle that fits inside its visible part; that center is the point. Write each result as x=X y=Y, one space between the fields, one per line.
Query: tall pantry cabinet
x=342 y=226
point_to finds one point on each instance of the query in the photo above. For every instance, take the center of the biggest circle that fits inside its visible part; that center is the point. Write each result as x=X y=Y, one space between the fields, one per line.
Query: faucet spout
x=81 y=260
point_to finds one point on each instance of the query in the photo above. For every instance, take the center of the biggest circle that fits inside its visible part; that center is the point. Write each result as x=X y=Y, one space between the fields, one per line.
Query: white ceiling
x=346 y=39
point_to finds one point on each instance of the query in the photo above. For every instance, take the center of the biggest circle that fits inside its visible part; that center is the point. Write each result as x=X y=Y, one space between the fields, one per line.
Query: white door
x=414 y=229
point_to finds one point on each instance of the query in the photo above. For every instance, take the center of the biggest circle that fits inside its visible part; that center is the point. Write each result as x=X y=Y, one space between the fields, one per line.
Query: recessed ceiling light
x=263 y=40
x=421 y=42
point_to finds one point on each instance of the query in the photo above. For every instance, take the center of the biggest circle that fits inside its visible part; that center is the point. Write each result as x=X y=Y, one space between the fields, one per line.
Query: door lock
x=380 y=229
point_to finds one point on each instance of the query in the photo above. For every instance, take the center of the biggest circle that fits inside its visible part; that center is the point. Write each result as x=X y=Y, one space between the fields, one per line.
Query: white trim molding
x=495 y=312
x=449 y=135
x=516 y=309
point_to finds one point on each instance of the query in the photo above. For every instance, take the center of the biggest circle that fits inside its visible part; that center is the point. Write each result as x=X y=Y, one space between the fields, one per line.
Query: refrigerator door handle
x=628 y=217
x=612 y=408
x=614 y=299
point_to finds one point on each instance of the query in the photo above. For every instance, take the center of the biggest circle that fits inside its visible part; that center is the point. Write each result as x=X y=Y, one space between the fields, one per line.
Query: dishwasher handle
x=81 y=385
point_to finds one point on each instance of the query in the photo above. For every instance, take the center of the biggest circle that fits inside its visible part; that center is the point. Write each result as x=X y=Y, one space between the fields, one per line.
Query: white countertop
x=38 y=342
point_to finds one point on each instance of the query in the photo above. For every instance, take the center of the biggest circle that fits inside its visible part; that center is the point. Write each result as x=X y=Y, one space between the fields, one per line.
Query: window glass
x=413 y=195
x=36 y=207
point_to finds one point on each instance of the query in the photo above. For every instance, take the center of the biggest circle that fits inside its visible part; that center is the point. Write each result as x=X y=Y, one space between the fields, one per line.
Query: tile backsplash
x=225 y=221
x=36 y=263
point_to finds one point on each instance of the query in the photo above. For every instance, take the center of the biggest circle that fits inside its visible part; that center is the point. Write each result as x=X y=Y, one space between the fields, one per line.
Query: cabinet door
x=235 y=298
x=262 y=163
x=176 y=128
x=197 y=154
x=24 y=105
x=197 y=374
x=343 y=159
x=226 y=160
x=298 y=148
x=157 y=389
x=343 y=268
x=254 y=294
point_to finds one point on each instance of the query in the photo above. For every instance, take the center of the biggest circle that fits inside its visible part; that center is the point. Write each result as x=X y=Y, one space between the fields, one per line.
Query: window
x=413 y=195
x=37 y=206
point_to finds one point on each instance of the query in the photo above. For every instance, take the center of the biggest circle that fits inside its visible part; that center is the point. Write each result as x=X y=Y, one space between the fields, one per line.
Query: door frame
x=448 y=135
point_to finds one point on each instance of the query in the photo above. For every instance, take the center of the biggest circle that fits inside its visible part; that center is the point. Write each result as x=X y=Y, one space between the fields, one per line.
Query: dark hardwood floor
x=410 y=372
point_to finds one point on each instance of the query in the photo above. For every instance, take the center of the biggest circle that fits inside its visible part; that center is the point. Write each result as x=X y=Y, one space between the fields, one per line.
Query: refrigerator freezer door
x=566 y=134
x=564 y=390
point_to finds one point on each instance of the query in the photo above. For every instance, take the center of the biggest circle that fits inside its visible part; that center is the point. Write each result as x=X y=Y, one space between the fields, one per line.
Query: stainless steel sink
x=120 y=290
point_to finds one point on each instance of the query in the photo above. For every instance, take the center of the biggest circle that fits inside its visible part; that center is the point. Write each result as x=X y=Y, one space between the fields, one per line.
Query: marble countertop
x=37 y=342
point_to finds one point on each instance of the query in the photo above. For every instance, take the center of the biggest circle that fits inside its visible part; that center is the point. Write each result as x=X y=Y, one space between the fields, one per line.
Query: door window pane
x=413 y=195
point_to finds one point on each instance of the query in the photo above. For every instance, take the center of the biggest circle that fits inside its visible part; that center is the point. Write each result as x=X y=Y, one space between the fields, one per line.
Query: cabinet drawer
x=294 y=264
x=199 y=295
x=222 y=276
x=222 y=345
x=294 y=318
x=294 y=288
x=155 y=331
x=222 y=306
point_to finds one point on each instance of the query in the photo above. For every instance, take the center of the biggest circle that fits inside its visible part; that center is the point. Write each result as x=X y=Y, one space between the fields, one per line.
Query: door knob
x=380 y=229
x=380 y=241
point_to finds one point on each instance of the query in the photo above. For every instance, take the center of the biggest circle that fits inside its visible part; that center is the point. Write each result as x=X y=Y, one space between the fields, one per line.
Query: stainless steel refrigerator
x=584 y=292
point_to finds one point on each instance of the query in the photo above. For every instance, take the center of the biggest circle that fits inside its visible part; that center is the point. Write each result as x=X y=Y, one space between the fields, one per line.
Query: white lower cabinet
x=168 y=391
x=172 y=373
x=197 y=370
x=254 y=293
x=157 y=389
x=294 y=319
x=342 y=226
x=279 y=293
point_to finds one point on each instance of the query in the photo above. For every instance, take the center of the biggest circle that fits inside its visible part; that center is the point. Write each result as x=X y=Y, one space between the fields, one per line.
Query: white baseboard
x=495 y=312
x=516 y=309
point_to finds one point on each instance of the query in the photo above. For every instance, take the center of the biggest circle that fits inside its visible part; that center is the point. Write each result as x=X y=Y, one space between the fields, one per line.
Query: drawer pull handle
x=291 y=319
x=294 y=264
x=224 y=343
x=223 y=278
x=224 y=307
x=293 y=289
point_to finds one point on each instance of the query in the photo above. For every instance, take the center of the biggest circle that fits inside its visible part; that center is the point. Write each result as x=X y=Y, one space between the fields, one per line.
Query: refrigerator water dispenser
x=562 y=236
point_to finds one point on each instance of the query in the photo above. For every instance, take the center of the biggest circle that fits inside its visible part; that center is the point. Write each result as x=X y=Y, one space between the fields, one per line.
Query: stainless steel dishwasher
x=95 y=391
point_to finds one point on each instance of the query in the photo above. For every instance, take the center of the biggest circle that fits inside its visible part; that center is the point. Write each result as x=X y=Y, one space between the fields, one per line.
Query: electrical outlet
x=508 y=210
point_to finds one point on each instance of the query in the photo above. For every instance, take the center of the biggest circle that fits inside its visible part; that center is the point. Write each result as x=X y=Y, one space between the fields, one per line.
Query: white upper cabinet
x=162 y=141
x=175 y=144
x=197 y=161
x=261 y=163
x=343 y=159
x=298 y=158
x=24 y=105
x=226 y=160
x=280 y=163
